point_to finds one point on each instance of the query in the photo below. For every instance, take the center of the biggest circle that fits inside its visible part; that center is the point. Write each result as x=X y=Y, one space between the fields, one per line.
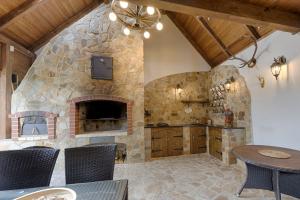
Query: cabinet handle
x=218 y=138
x=156 y=138
x=218 y=152
x=178 y=136
x=154 y=151
x=204 y=147
x=178 y=149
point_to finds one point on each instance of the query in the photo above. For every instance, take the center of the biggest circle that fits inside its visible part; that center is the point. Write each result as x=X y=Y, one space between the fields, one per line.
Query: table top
x=106 y=190
x=249 y=154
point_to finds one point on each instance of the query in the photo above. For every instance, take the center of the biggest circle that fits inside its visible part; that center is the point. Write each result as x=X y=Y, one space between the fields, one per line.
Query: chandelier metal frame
x=135 y=17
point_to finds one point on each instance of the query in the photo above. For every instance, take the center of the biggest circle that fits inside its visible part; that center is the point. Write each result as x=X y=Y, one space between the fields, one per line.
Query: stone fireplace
x=59 y=81
x=97 y=114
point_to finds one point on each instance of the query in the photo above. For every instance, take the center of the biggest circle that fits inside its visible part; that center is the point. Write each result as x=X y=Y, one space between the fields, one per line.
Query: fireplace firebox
x=100 y=113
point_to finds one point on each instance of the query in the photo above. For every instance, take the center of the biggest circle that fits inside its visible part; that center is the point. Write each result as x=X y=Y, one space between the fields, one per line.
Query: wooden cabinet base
x=198 y=140
x=167 y=141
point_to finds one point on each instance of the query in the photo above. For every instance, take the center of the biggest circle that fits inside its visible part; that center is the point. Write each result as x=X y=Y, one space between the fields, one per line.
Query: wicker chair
x=26 y=168
x=89 y=164
x=289 y=184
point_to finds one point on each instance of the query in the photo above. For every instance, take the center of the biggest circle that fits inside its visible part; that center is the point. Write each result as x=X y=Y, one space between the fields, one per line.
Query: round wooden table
x=263 y=171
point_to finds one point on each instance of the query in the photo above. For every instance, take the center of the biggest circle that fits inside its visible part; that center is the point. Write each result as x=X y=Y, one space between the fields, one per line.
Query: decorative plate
x=50 y=194
x=274 y=154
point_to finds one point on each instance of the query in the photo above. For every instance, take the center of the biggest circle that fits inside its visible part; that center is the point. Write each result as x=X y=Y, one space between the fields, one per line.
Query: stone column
x=15 y=127
x=186 y=140
x=51 y=125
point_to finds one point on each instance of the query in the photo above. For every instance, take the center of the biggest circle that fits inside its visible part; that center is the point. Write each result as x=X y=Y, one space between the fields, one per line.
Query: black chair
x=26 y=168
x=89 y=164
x=289 y=183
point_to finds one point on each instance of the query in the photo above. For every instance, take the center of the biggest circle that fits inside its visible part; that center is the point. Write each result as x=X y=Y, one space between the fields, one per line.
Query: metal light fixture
x=228 y=84
x=136 y=17
x=276 y=66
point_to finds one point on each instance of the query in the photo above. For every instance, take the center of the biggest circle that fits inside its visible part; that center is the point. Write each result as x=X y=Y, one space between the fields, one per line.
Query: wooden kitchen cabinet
x=198 y=140
x=175 y=141
x=215 y=142
x=158 y=143
x=166 y=141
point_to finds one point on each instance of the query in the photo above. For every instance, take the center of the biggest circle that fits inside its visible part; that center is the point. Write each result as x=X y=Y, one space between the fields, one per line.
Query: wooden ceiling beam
x=189 y=38
x=233 y=10
x=16 y=13
x=46 y=38
x=253 y=32
x=18 y=47
x=215 y=37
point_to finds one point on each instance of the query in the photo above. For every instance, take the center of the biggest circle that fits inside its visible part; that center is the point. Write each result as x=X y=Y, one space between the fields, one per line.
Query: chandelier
x=135 y=17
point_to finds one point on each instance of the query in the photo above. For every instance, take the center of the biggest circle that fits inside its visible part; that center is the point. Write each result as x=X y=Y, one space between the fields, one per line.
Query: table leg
x=276 y=184
x=238 y=194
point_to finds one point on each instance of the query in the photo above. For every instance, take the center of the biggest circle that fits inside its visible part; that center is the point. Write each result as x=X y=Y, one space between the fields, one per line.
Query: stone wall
x=62 y=72
x=238 y=99
x=160 y=98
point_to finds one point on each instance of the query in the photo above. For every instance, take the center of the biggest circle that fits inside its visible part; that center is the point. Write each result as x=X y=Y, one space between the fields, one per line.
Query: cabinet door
x=215 y=142
x=159 y=145
x=175 y=141
x=198 y=140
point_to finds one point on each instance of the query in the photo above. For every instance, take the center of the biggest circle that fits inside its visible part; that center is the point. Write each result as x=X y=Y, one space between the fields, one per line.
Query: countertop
x=194 y=125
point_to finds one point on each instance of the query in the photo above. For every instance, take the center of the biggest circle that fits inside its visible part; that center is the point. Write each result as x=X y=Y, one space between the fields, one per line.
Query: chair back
x=27 y=168
x=89 y=164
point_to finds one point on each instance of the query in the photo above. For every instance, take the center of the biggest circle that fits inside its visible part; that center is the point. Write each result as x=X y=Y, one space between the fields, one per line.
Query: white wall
x=169 y=52
x=275 y=108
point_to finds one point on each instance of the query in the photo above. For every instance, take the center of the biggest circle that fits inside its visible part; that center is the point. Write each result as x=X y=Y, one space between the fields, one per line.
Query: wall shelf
x=203 y=102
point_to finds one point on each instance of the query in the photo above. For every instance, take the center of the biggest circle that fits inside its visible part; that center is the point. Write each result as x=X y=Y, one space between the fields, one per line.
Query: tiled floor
x=196 y=177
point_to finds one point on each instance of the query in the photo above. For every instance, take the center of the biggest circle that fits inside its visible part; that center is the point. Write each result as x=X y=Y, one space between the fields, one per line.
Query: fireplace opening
x=102 y=115
x=105 y=110
x=34 y=125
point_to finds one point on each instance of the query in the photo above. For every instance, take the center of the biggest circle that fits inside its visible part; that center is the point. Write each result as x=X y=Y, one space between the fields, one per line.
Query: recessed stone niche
x=97 y=114
x=33 y=118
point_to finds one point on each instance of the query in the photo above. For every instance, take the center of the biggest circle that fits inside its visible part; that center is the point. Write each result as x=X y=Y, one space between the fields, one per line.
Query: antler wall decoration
x=252 y=61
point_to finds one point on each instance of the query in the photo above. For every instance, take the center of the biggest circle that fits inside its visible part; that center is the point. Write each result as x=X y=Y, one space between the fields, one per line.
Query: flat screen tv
x=102 y=68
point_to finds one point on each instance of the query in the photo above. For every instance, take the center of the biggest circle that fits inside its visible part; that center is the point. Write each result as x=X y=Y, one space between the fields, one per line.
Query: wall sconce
x=228 y=83
x=261 y=81
x=178 y=90
x=276 y=66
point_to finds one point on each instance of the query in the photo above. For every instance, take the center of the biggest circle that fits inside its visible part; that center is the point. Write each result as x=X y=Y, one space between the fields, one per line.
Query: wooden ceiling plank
x=189 y=38
x=234 y=10
x=212 y=33
x=7 y=19
x=253 y=32
x=46 y=38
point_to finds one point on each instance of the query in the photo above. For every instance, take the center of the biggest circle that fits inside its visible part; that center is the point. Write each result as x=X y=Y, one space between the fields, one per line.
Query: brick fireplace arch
x=74 y=110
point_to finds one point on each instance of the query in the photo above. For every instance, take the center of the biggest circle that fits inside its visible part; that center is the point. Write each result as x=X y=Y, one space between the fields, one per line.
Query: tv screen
x=102 y=68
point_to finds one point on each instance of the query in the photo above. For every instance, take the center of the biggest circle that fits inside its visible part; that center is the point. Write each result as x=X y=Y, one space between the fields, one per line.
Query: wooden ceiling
x=216 y=39
x=216 y=29
x=32 y=23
